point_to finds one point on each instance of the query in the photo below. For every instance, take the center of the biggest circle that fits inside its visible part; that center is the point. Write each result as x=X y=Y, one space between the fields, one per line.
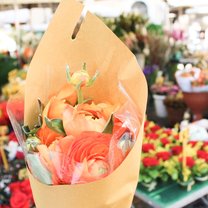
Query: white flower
x=13 y=148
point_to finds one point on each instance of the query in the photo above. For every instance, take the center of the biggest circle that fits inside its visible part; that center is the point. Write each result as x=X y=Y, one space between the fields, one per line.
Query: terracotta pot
x=197 y=102
x=175 y=115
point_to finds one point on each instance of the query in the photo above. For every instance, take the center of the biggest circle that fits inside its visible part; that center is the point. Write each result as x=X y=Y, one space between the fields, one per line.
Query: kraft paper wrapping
x=96 y=45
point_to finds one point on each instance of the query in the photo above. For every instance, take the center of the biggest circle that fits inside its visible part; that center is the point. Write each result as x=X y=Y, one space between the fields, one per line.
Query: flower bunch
x=164 y=88
x=131 y=29
x=14 y=191
x=16 y=80
x=78 y=140
x=162 y=158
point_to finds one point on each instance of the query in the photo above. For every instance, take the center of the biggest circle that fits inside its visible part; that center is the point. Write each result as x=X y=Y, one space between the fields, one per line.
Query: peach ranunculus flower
x=61 y=109
x=80 y=159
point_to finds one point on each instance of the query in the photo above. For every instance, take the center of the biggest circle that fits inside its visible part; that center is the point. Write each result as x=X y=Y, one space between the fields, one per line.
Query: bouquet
x=87 y=130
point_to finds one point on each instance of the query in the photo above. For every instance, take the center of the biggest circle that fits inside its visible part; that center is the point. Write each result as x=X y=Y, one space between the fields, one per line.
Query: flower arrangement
x=15 y=189
x=166 y=157
x=131 y=29
x=16 y=80
x=175 y=100
x=164 y=88
x=176 y=107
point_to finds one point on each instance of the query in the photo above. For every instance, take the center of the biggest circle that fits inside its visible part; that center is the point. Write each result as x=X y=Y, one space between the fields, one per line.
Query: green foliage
x=7 y=64
x=55 y=125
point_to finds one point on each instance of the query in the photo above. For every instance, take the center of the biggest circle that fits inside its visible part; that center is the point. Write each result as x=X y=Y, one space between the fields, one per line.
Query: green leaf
x=55 y=125
x=92 y=80
x=108 y=129
x=29 y=132
x=154 y=173
x=26 y=130
x=147 y=179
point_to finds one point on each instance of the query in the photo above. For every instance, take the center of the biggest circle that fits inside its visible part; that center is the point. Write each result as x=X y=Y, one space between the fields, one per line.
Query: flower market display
x=15 y=191
x=167 y=155
x=72 y=105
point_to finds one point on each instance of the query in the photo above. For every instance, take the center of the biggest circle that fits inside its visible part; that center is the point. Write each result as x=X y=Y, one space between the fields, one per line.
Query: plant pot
x=197 y=102
x=160 y=107
x=175 y=115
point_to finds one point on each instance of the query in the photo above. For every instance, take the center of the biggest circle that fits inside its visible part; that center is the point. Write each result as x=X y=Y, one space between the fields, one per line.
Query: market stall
x=171 y=51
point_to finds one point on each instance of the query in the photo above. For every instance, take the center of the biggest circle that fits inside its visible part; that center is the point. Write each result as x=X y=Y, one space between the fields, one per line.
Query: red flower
x=205 y=144
x=146 y=124
x=21 y=194
x=176 y=150
x=147 y=147
x=190 y=162
x=150 y=162
x=12 y=137
x=176 y=137
x=4 y=119
x=25 y=188
x=20 y=155
x=155 y=128
x=164 y=141
x=192 y=143
x=14 y=186
x=152 y=136
x=19 y=200
x=202 y=154
x=163 y=155
x=168 y=131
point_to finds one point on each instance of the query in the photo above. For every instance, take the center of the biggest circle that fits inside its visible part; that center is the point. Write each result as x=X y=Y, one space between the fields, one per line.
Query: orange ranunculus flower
x=68 y=93
x=54 y=109
x=47 y=136
x=80 y=159
x=85 y=117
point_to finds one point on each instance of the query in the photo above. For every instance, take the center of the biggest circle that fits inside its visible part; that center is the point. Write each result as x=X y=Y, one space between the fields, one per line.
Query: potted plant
x=176 y=107
x=160 y=90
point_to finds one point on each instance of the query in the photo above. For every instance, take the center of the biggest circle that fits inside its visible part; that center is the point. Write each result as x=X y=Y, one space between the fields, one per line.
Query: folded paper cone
x=101 y=50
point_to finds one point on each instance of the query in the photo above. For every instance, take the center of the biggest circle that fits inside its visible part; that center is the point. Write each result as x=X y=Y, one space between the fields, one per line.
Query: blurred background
x=169 y=39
